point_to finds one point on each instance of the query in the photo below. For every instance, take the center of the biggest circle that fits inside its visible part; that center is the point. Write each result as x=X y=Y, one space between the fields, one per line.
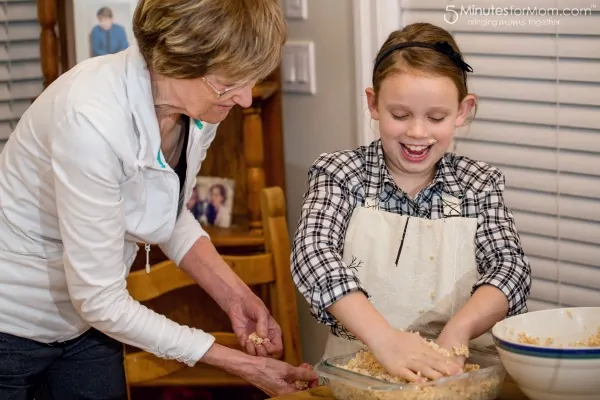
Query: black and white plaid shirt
x=339 y=181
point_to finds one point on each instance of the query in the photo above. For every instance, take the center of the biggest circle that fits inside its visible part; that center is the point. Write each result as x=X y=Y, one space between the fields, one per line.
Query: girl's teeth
x=416 y=148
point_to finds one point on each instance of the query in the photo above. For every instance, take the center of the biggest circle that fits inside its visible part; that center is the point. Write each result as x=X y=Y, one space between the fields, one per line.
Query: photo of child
x=108 y=37
x=212 y=201
x=102 y=27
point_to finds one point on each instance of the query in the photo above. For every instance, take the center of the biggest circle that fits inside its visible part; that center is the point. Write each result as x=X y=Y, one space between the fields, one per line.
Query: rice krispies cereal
x=470 y=388
x=254 y=338
x=485 y=389
x=592 y=341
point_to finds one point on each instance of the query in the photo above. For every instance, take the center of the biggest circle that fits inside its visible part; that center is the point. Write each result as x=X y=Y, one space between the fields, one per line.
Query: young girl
x=402 y=235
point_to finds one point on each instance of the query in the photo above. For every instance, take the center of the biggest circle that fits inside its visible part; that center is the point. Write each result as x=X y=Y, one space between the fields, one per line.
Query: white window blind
x=538 y=120
x=21 y=78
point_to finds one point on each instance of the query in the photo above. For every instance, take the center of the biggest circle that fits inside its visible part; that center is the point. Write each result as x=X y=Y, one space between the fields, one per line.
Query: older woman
x=105 y=158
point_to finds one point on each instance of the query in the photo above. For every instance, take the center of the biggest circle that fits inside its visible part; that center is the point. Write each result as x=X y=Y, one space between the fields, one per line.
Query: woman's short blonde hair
x=241 y=40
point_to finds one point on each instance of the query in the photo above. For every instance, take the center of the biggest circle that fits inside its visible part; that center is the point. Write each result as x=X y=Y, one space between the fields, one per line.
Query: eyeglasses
x=222 y=92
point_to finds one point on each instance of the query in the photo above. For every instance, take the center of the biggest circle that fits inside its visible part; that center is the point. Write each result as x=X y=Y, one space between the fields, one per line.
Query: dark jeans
x=89 y=367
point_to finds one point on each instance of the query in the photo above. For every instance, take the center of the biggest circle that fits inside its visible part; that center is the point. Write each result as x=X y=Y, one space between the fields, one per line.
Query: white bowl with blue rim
x=549 y=353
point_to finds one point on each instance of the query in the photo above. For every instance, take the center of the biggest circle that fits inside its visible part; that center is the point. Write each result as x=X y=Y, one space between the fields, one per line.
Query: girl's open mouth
x=415 y=153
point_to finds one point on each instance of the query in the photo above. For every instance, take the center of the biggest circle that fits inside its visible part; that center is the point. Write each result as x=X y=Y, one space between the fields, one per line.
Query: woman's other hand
x=408 y=356
x=277 y=378
x=313 y=383
x=273 y=377
x=250 y=315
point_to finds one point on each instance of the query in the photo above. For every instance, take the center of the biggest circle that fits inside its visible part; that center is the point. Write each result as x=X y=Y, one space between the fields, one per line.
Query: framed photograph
x=212 y=201
x=101 y=27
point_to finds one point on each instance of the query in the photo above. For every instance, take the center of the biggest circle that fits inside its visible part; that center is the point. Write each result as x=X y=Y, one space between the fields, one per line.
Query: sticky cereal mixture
x=301 y=385
x=257 y=339
x=592 y=341
x=364 y=363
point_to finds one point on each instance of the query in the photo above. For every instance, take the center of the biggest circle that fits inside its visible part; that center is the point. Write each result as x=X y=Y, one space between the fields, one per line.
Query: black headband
x=442 y=47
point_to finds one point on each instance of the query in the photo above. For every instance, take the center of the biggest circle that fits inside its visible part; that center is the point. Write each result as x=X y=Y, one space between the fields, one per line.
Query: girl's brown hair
x=420 y=60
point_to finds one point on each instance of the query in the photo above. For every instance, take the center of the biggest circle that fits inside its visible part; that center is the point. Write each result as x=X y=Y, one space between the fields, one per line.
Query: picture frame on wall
x=100 y=27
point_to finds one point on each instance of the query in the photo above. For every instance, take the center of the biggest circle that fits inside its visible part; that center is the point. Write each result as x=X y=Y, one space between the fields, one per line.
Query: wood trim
x=67 y=31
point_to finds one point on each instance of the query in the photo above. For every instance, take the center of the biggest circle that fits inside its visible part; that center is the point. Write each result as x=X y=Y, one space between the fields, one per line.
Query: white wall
x=320 y=123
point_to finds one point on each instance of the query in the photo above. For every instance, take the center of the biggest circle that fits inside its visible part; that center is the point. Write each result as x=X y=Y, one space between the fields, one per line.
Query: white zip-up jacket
x=82 y=181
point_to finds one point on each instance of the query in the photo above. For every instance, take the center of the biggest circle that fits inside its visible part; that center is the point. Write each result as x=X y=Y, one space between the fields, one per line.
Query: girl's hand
x=453 y=342
x=408 y=356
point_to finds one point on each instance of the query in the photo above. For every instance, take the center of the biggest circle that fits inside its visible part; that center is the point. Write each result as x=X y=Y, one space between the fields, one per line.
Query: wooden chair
x=270 y=268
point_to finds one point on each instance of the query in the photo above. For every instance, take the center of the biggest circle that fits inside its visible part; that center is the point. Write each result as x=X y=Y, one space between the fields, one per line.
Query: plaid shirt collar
x=445 y=175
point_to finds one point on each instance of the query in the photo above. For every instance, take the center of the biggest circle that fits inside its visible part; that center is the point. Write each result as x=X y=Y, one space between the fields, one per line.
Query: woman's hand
x=408 y=356
x=249 y=315
x=273 y=377
x=277 y=378
x=312 y=383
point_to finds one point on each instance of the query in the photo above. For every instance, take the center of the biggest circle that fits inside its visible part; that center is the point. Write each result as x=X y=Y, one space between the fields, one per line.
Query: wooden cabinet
x=248 y=146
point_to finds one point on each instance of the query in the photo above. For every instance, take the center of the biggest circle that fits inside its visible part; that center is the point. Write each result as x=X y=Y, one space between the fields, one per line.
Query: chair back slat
x=284 y=291
x=254 y=269
x=165 y=277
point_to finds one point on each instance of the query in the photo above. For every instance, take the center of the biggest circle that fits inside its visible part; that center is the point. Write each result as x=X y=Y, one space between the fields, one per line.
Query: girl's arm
x=318 y=270
x=505 y=282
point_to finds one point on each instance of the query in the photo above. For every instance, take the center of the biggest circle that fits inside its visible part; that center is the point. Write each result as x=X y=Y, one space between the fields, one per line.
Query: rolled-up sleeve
x=500 y=257
x=92 y=225
x=318 y=270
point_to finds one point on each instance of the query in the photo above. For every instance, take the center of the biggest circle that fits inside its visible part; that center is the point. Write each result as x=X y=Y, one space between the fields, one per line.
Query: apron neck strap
x=372 y=202
x=452 y=205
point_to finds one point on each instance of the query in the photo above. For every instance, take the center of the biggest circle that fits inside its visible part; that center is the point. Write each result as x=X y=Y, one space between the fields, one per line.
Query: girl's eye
x=400 y=117
x=437 y=119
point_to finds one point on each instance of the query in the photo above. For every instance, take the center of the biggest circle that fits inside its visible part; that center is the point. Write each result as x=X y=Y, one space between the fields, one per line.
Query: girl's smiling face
x=418 y=115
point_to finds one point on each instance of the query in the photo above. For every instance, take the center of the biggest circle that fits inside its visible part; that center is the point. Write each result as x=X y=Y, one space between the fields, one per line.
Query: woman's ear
x=465 y=109
x=372 y=102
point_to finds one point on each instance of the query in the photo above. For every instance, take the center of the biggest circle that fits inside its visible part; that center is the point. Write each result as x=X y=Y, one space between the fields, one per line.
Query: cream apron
x=419 y=272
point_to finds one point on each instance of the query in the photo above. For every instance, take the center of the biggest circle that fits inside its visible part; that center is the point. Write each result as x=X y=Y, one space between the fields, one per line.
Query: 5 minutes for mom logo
x=453 y=12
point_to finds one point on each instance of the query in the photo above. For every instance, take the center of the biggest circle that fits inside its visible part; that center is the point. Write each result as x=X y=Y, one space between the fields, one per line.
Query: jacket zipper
x=191 y=145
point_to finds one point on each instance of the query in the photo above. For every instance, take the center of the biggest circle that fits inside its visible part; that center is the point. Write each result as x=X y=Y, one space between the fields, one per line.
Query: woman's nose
x=244 y=96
